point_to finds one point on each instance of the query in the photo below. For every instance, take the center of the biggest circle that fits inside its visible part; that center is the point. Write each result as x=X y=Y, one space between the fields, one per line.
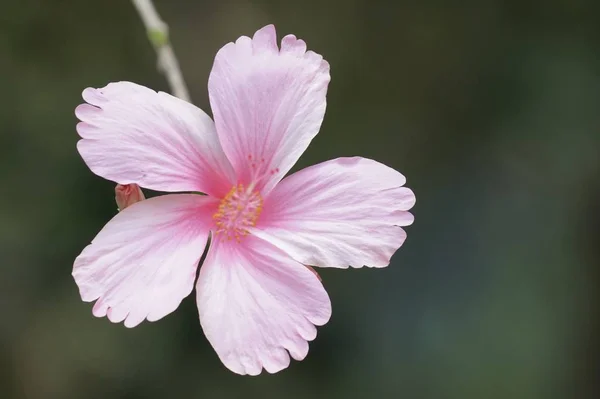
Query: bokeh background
x=489 y=107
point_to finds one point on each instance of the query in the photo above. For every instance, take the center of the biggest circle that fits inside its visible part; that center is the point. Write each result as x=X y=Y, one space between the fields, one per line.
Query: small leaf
x=157 y=37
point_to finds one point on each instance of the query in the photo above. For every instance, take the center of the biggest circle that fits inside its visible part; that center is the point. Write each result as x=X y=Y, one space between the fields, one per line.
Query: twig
x=158 y=34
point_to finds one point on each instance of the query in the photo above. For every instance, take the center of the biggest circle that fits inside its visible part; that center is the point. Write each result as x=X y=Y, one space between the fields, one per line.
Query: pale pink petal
x=340 y=213
x=143 y=262
x=256 y=304
x=268 y=104
x=132 y=134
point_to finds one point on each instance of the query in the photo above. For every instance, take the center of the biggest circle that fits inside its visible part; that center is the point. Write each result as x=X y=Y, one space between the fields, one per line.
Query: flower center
x=238 y=210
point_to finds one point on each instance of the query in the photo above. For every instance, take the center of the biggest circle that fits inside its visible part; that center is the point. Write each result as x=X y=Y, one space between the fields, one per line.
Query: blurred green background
x=491 y=110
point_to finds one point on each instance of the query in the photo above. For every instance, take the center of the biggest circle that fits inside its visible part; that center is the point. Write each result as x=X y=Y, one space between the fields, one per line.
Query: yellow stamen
x=238 y=210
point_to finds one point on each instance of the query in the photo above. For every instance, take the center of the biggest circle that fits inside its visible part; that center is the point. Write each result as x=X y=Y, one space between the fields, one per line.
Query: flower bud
x=128 y=194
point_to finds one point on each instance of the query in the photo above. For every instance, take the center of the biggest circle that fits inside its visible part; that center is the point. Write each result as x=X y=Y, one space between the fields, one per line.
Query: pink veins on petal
x=258 y=297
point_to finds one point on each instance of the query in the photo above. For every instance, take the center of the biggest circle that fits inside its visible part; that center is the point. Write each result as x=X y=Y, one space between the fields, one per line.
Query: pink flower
x=256 y=299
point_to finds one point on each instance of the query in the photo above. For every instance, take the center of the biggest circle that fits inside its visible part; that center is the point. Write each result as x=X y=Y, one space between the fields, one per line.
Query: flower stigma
x=238 y=211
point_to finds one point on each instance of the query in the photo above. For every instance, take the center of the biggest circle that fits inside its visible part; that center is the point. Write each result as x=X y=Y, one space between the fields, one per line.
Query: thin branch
x=158 y=34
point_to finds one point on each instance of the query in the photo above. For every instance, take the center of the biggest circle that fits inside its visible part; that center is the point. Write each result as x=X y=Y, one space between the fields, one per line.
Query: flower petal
x=132 y=134
x=255 y=302
x=267 y=104
x=143 y=262
x=338 y=213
